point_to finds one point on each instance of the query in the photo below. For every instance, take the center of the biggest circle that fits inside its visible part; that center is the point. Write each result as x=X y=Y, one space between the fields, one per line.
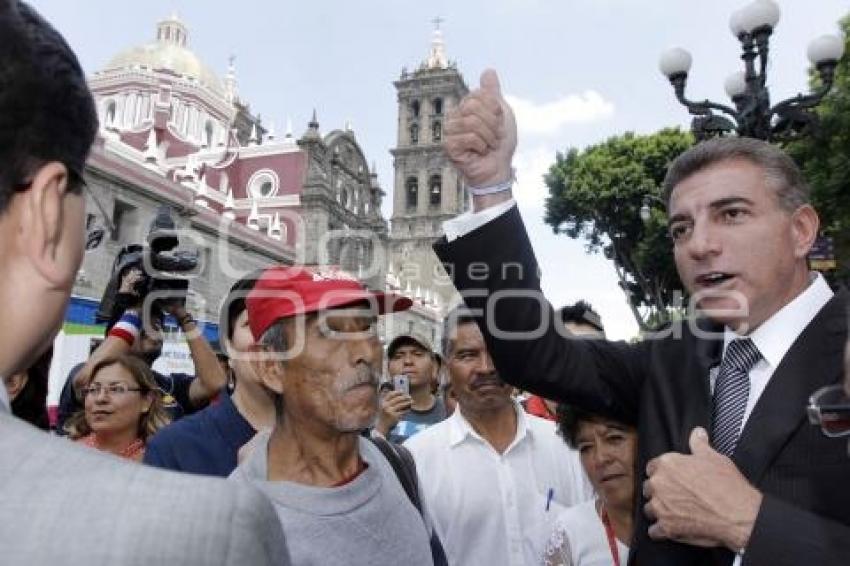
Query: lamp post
x=753 y=115
x=649 y=202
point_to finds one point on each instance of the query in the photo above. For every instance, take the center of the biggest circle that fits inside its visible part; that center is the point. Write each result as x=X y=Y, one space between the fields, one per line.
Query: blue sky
x=577 y=71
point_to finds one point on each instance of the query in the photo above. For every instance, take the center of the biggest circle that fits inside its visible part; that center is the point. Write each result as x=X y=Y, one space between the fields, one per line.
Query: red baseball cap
x=284 y=291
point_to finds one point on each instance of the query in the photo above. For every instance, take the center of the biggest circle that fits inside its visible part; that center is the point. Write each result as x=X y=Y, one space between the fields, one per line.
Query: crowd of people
x=524 y=438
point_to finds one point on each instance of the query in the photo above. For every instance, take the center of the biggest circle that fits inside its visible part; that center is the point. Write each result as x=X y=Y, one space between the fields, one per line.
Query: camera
x=162 y=264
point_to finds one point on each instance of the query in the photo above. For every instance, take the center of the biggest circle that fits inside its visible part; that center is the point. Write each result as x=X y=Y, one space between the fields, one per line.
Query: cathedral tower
x=427 y=189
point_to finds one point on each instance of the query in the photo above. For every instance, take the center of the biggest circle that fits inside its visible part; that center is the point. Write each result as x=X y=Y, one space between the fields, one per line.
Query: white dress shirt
x=465 y=223
x=775 y=336
x=490 y=509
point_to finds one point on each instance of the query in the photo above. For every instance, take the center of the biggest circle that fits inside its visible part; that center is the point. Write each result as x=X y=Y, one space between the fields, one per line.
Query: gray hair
x=274 y=339
x=781 y=172
x=461 y=314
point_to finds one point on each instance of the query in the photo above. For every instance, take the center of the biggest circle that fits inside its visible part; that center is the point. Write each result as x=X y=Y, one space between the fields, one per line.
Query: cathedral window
x=414 y=134
x=436 y=131
x=412 y=187
x=110 y=113
x=263 y=184
x=208 y=134
x=123 y=219
x=414 y=109
x=435 y=190
x=438 y=106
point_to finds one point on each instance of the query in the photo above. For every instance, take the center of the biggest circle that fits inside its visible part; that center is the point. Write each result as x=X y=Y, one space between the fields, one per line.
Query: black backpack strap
x=404 y=467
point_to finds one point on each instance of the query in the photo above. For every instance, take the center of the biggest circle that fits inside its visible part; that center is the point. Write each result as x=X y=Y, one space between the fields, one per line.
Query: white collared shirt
x=490 y=509
x=775 y=336
x=465 y=223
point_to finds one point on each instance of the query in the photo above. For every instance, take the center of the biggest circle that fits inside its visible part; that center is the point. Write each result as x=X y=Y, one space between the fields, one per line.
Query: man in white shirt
x=493 y=477
x=764 y=485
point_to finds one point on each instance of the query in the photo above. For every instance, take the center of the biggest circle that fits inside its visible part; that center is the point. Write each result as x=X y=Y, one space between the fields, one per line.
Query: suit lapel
x=813 y=361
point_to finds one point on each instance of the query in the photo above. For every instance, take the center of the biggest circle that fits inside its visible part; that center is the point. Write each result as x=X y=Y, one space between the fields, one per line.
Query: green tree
x=825 y=160
x=597 y=194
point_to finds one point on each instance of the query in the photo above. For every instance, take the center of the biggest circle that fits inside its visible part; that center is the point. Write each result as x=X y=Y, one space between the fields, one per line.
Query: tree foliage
x=825 y=159
x=597 y=194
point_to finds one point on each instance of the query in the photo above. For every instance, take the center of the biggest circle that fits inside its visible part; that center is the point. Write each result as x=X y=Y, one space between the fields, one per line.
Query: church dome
x=169 y=52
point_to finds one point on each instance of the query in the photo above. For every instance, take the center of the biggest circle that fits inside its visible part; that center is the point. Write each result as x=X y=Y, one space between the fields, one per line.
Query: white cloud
x=531 y=164
x=550 y=117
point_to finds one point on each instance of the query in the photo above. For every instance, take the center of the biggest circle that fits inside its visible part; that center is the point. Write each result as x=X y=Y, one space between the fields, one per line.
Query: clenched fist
x=480 y=134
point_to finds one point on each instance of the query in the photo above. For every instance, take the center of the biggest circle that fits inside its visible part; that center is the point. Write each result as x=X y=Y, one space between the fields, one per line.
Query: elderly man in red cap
x=339 y=498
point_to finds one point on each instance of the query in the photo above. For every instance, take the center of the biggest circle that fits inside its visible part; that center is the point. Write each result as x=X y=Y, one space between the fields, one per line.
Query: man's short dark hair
x=582 y=313
x=457 y=316
x=235 y=303
x=781 y=173
x=46 y=109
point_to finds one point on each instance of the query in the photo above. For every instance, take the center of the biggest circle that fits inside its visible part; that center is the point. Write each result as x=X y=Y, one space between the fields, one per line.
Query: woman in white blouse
x=597 y=532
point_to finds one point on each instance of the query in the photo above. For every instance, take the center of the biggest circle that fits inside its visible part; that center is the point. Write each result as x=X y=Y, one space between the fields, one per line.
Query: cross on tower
x=437 y=21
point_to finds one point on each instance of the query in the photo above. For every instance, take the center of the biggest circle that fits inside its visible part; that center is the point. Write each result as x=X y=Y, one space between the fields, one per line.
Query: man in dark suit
x=731 y=472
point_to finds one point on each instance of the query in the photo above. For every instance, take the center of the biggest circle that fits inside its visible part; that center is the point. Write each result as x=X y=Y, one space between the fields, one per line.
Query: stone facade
x=174 y=133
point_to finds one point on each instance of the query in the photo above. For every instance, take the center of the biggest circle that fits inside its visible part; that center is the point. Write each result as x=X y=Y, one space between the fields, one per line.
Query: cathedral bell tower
x=427 y=189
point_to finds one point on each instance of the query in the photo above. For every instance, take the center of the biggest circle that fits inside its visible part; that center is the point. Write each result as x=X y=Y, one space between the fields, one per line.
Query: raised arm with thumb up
x=480 y=138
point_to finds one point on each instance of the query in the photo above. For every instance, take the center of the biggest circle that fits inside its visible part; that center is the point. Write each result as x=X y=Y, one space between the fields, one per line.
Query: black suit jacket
x=662 y=384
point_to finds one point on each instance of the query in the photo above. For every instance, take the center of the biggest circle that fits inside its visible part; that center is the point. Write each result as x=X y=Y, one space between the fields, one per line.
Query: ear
x=15 y=383
x=148 y=402
x=45 y=221
x=804 y=226
x=268 y=369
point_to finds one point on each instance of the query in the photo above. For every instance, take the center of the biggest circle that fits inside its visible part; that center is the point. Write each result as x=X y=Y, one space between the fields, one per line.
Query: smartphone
x=401 y=383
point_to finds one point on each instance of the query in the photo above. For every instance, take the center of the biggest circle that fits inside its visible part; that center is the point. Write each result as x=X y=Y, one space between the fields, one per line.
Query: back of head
x=46 y=109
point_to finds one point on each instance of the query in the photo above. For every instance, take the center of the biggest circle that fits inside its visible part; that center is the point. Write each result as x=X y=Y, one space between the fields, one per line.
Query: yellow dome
x=169 y=52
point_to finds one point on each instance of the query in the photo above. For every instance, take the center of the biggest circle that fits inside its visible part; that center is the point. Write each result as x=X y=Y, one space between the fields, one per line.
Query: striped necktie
x=730 y=394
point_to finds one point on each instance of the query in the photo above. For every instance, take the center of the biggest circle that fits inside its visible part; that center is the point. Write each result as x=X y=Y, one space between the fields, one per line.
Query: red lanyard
x=612 y=540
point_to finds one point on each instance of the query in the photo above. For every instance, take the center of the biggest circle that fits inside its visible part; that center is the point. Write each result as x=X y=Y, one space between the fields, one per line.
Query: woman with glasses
x=597 y=532
x=122 y=409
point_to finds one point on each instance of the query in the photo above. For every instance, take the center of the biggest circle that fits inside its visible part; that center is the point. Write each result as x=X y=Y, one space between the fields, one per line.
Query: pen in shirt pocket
x=549 y=497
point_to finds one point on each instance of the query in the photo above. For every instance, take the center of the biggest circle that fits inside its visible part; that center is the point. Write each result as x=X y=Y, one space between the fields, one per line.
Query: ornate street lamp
x=753 y=116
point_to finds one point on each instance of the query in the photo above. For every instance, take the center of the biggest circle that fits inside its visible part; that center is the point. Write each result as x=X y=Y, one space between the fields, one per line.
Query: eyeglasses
x=113 y=389
x=829 y=408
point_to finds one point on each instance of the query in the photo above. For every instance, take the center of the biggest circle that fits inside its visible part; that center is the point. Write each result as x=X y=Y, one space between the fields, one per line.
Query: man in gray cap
x=403 y=414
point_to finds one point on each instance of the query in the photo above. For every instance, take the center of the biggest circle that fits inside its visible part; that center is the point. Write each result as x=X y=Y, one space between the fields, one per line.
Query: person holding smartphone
x=410 y=406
